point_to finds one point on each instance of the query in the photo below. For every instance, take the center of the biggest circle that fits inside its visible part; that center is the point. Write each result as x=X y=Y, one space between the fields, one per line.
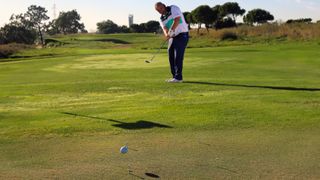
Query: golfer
x=176 y=31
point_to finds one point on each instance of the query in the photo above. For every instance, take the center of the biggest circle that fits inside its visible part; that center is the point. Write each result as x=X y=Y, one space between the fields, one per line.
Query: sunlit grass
x=242 y=111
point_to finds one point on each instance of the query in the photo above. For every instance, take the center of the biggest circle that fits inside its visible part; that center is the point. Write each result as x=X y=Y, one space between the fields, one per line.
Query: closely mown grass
x=243 y=112
x=94 y=76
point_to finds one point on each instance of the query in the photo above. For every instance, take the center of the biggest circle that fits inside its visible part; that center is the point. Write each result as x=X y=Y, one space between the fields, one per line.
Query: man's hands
x=172 y=33
x=169 y=34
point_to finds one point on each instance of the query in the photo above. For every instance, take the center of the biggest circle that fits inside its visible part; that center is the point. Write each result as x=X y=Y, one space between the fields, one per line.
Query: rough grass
x=9 y=49
x=267 y=33
x=244 y=112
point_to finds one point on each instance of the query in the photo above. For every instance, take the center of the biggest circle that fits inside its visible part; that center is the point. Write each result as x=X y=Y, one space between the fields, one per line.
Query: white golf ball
x=124 y=150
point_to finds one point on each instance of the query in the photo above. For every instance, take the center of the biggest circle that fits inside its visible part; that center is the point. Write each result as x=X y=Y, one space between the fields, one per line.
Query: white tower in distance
x=130 y=20
x=54 y=9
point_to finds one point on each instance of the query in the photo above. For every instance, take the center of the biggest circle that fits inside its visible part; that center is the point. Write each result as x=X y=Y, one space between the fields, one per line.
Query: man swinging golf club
x=176 y=32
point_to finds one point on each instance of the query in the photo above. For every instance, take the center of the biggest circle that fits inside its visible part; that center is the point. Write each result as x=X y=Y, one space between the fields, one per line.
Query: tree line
x=109 y=27
x=30 y=26
x=27 y=27
x=225 y=16
x=218 y=17
x=302 y=20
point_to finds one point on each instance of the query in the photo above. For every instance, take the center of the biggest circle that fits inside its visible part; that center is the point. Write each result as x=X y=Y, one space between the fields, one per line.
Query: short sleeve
x=175 y=11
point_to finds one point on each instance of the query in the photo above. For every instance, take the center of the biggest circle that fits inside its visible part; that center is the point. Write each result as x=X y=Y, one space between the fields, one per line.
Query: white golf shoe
x=173 y=80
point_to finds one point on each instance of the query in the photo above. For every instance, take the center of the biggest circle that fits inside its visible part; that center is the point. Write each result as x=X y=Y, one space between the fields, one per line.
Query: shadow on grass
x=254 y=86
x=24 y=58
x=124 y=125
x=152 y=175
x=116 y=41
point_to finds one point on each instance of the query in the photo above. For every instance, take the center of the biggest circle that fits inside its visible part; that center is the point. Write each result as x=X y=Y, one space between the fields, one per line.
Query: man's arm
x=176 y=23
x=167 y=32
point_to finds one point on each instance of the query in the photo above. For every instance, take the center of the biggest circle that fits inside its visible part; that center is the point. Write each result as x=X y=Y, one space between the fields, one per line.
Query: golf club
x=154 y=55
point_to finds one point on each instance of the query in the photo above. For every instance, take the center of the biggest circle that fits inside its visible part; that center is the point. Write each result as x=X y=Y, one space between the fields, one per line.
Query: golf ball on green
x=124 y=150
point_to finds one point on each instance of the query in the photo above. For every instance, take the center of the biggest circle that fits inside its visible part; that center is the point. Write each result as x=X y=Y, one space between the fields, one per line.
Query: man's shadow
x=141 y=124
x=255 y=86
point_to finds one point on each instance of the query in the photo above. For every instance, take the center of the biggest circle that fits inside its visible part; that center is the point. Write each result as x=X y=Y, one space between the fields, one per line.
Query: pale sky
x=93 y=11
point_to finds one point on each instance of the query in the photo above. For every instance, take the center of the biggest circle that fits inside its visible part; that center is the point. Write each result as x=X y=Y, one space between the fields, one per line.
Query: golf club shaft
x=158 y=50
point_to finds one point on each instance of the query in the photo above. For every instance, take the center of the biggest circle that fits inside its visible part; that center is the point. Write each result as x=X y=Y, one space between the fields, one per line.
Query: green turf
x=244 y=112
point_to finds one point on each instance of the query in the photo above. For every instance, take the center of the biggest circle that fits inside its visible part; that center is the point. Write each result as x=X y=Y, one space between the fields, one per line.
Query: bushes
x=228 y=36
x=303 y=20
x=17 y=34
x=9 y=49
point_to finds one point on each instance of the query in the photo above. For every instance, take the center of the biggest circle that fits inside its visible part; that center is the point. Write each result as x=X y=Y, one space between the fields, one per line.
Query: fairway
x=243 y=111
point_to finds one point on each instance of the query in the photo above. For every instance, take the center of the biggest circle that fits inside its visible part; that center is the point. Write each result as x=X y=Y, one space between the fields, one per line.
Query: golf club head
x=147 y=61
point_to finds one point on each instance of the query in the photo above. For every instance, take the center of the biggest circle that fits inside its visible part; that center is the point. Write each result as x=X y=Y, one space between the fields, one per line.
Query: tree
x=13 y=33
x=69 y=23
x=189 y=19
x=124 y=29
x=152 y=26
x=36 y=15
x=186 y=15
x=225 y=23
x=107 y=27
x=258 y=16
x=302 y=20
x=136 y=28
x=51 y=28
x=231 y=9
x=19 y=30
x=219 y=11
x=20 y=20
x=204 y=15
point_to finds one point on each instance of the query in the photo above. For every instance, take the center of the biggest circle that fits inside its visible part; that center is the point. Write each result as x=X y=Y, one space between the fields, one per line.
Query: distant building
x=130 y=20
x=54 y=10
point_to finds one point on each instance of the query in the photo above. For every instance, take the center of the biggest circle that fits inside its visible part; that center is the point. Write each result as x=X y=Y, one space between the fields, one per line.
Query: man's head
x=161 y=8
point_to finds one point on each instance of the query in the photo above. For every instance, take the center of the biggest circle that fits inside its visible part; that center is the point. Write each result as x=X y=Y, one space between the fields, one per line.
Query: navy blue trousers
x=176 y=54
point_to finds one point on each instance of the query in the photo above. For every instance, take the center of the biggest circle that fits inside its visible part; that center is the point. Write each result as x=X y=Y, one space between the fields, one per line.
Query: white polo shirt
x=167 y=19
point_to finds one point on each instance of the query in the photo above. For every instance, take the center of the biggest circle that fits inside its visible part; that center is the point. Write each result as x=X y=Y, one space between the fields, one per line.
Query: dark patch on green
x=25 y=57
x=116 y=41
x=142 y=124
x=139 y=125
x=255 y=86
x=152 y=175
